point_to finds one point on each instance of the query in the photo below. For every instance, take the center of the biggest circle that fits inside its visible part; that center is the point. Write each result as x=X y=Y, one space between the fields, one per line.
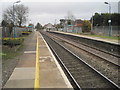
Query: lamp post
x=14 y=34
x=109 y=21
x=92 y=24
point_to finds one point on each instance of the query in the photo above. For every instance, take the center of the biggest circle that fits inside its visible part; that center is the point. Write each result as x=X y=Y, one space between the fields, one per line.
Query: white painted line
x=59 y=67
x=45 y=58
x=41 y=60
x=29 y=52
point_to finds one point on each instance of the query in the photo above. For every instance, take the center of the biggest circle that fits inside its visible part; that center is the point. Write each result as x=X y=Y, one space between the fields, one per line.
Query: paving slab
x=23 y=83
x=27 y=61
x=51 y=74
x=23 y=75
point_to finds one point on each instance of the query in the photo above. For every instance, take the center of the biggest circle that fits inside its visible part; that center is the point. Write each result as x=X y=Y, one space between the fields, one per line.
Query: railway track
x=92 y=44
x=104 y=62
x=96 y=52
x=106 y=65
x=82 y=74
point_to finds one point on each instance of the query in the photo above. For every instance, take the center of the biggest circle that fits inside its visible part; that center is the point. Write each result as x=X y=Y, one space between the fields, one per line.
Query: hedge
x=12 y=41
x=26 y=33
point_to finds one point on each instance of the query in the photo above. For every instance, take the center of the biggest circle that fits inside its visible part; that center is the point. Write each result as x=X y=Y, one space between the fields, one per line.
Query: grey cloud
x=57 y=10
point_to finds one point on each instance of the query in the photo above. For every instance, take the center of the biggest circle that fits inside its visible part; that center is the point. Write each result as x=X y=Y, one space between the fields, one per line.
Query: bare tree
x=20 y=14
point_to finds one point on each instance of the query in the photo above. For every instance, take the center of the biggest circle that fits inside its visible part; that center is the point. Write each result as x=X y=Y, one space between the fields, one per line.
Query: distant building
x=71 y=26
x=78 y=26
x=49 y=27
x=62 y=21
x=68 y=25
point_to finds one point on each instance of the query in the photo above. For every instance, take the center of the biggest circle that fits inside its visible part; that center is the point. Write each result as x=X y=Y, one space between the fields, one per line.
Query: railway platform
x=90 y=37
x=44 y=73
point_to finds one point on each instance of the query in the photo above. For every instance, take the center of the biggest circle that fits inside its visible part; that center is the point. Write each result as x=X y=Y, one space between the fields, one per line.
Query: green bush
x=26 y=33
x=30 y=31
x=12 y=41
x=86 y=27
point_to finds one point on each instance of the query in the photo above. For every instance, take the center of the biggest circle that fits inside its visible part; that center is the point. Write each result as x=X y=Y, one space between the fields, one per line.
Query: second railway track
x=106 y=64
x=85 y=75
x=88 y=48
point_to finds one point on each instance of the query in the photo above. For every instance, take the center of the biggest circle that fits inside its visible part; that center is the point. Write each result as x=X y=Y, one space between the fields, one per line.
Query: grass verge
x=107 y=37
x=10 y=53
x=100 y=36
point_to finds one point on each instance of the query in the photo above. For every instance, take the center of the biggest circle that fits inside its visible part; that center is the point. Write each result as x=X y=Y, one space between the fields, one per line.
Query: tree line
x=16 y=16
x=38 y=26
x=102 y=19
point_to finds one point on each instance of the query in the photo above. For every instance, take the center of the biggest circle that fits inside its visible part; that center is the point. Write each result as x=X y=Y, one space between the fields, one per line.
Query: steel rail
x=75 y=82
x=89 y=51
x=88 y=45
x=110 y=81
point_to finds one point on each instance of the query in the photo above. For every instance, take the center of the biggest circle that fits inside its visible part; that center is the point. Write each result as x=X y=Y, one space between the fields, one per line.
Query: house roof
x=49 y=25
x=78 y=21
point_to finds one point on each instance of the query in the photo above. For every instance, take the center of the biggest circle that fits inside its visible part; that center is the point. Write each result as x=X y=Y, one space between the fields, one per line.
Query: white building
x=49 y=27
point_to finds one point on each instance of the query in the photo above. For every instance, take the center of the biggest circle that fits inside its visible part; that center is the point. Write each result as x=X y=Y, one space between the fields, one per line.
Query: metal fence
x=71 y=29
x=97 y=30
x=18 y=31
x=104 y=30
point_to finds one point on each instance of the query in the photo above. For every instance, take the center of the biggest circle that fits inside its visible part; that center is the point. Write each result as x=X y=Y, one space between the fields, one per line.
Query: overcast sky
x=50 y=11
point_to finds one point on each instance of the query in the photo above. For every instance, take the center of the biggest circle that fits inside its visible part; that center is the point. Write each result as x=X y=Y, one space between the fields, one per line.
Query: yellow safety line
x=36 y=82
